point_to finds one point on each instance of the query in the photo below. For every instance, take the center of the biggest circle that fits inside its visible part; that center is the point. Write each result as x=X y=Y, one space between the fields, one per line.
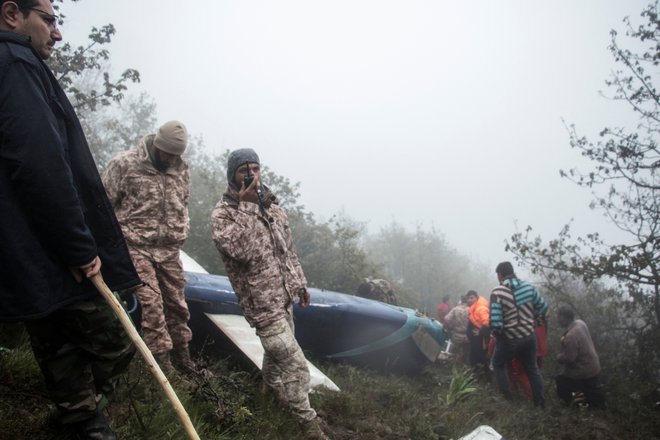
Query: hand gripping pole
x=126 y=322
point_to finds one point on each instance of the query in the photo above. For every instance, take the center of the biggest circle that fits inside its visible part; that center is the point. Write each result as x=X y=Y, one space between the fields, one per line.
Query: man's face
x=41 y=26
x=242 y=172
x=471 y=299
x=563 y=320
x=166 y=159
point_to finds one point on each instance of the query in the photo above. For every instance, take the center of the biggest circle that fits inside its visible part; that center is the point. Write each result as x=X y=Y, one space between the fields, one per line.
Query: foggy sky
x=428 y=113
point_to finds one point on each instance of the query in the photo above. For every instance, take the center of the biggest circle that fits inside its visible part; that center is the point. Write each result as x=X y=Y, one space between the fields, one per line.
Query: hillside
x=441 y=403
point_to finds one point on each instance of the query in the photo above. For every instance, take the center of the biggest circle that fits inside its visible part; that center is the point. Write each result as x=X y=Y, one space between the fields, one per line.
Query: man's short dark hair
x=566 y=312
x=504 y=269
x=471 y=293
x=23 y=5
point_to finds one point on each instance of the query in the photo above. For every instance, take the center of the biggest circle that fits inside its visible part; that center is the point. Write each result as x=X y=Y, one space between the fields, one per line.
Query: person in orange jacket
x=478 y=331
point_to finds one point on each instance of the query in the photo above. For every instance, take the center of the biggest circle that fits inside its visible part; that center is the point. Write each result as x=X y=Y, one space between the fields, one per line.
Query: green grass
x=444 y=402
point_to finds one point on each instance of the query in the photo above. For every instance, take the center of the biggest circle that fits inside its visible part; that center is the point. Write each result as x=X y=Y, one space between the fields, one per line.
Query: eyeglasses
x=50 y=19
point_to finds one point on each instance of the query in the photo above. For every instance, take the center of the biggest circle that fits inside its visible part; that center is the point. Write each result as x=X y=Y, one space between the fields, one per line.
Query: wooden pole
x=98 y=282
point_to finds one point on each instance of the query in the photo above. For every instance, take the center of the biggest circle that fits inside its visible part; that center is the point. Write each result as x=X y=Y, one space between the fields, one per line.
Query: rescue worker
x=253 y=237
x=377 y=289
x=478 y=332
x=456 y=323
x=443 y=308
x=579 y=362
x=148 y=187
x=516 y=308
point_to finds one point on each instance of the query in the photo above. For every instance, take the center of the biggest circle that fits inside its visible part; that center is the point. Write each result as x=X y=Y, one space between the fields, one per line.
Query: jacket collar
x=511 y=282
x=13 y=37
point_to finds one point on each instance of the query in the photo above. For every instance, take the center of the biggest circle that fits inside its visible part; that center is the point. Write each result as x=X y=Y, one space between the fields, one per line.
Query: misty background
x=435 y=115
x=406 y=141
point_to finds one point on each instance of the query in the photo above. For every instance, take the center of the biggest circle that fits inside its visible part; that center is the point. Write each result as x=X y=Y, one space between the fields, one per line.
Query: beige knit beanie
x=172 y=138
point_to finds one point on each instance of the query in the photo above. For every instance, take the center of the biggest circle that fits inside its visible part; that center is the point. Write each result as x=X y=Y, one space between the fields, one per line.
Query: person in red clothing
x=443 y=309
x=517 y=376
x=478 y=331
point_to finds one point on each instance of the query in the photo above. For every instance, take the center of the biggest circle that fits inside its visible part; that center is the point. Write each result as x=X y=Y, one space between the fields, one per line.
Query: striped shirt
x=514 y=308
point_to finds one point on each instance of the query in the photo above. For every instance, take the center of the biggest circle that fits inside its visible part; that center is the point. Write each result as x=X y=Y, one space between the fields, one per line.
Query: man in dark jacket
x=56 y=227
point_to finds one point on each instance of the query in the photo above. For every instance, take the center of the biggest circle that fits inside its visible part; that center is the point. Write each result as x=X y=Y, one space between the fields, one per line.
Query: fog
x=432 y=114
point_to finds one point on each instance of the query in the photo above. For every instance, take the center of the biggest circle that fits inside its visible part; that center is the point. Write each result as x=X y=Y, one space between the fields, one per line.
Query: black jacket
x=54 y=212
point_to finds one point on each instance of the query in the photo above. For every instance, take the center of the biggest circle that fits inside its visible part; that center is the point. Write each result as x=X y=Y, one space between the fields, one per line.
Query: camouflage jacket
x=258 y=254
x=456 y=323
x=151 y=206
x=377 y=289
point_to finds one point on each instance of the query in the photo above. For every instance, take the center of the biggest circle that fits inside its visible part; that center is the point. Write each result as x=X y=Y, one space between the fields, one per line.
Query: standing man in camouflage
x=148 y=187
x=56 y=229
x=252 y=234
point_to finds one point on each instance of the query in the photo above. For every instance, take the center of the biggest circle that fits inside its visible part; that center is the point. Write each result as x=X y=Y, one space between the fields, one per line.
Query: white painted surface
x=483 y=432
x=239 y=331
x=190 y=265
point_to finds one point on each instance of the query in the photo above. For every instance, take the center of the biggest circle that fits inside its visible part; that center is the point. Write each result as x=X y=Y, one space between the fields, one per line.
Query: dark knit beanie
x=238 y=158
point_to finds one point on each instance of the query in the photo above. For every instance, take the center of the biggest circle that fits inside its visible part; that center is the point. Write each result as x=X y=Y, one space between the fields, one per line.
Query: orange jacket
x=478 y=312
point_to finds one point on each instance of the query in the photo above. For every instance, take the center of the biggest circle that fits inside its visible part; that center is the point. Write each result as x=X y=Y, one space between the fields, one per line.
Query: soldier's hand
x=88 y=270
x=249 y=194
x=304 y=297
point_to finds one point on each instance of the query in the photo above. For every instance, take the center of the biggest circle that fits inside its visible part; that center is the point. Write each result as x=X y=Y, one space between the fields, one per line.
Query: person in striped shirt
x=515 y=309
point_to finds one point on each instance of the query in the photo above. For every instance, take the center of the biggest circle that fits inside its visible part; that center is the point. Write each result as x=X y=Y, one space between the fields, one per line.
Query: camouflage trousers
x=82 y=349
x=165 y=313
x=285 y=368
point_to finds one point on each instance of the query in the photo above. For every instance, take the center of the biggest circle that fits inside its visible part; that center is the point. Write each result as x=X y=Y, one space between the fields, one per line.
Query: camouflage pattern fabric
x=165 y=313
x=258 y=254
x=456 y=323
x=377 y=289
x=257 y=251
x=285 y=367
x=151 y=206
x=83 y=358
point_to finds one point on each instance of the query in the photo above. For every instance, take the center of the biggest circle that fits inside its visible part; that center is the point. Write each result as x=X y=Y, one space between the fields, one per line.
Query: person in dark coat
x=579 y=374
x=57 y=227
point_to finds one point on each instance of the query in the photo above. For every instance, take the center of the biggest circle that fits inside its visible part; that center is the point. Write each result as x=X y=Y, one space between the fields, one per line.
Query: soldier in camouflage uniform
x=252 y=234
x=377 y=289
x=56 y=229
x=148 y=187
x=456 y=323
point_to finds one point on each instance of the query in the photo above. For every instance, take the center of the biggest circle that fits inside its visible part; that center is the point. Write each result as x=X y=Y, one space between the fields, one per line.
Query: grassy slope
x=372 y=405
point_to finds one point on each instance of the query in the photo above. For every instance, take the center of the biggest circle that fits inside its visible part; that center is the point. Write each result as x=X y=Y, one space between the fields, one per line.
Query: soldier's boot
x=96 y=428
x=182 y=361
x=312 y=429
x=165 y=363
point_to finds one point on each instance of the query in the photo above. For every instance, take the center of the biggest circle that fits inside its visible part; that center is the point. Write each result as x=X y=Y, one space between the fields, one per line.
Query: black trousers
x=591 y=388
x=478 y=354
